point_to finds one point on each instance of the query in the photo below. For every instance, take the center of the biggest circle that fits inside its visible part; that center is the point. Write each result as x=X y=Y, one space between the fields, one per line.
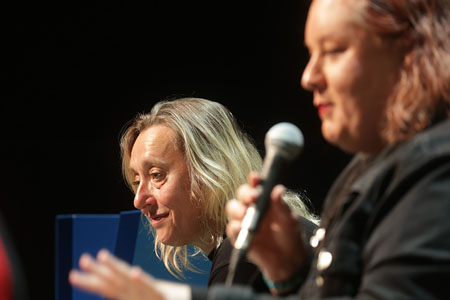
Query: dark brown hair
x=422 y=95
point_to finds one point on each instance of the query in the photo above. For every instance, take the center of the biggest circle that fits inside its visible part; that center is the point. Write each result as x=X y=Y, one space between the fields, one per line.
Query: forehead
x=328 y=18
x=157 y=142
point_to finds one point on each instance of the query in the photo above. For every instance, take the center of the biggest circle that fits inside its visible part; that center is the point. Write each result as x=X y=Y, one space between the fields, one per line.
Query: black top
x=246 y=272
x=391 y=239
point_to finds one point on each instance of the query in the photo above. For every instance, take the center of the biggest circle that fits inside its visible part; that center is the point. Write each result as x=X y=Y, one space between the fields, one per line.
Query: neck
x=206 y=247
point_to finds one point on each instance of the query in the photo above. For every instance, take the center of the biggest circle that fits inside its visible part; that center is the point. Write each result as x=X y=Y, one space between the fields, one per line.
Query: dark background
x=77 y=71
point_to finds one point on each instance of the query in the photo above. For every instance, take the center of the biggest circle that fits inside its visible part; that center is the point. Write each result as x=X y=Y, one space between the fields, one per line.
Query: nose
x=143 y=195
x=313 y=78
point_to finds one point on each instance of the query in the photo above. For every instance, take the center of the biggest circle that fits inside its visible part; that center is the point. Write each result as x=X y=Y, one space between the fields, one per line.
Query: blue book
x=127 y=235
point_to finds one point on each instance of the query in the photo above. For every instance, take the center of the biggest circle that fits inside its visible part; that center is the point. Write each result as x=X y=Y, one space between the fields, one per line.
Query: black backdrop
x=77 y=71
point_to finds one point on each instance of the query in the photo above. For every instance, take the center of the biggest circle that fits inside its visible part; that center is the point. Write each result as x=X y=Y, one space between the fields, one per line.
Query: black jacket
x=391 y=240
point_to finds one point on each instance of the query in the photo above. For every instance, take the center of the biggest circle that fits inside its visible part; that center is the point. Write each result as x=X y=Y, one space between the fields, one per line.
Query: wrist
x=283 y=271
x=282 y=287
x=172 y=290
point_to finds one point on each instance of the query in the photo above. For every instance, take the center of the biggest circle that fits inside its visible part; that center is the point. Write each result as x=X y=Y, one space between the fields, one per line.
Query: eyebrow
x=324 y=37
x=147 y=164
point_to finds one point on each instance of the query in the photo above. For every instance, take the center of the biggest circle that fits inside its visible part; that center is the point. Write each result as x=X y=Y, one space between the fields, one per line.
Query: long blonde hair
x=219 y=157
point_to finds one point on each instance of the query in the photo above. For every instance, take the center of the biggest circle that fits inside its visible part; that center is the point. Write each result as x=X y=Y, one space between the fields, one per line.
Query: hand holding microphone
x=283 y=142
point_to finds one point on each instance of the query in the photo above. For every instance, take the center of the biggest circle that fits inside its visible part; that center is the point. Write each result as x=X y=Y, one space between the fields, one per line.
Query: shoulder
x=222 y=254
x=410 y=244
x=430 y=149
x=411 y=179
x=403 y=166
x=308 y=227
x=246 y=272
x=220 y=259
x=410 y=223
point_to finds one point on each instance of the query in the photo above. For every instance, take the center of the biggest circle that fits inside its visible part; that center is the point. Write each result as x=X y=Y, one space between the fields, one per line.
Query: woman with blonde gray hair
x=184 y=160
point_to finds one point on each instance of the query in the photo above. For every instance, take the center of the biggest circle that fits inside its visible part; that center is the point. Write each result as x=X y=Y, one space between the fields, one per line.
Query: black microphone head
x=285 y=139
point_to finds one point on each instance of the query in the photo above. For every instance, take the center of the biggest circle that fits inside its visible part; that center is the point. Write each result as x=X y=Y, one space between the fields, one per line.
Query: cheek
x=344 y=75
x=172 y=199
x=189 y=211
x=186 y=218
x=348 y=84
x=178 y=199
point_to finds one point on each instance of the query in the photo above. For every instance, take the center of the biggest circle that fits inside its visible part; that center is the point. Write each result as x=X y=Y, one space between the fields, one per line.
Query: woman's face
x=162 y=186
x=351 y=72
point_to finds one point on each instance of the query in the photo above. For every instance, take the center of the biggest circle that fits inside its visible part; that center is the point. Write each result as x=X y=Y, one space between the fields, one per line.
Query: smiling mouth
x=159 y=217
x=323 y=109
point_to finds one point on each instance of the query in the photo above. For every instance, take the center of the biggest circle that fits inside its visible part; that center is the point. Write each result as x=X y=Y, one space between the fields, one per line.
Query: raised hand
x=113 y=278
x=278 y=249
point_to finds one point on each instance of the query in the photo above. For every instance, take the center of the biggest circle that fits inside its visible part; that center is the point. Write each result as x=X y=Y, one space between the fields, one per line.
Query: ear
x=407 y=47
x=408 y=59
x=196 y=199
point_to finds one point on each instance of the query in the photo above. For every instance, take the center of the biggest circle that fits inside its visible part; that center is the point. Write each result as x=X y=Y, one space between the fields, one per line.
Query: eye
x=156 y=176
x=135 y=183
x=334 y=51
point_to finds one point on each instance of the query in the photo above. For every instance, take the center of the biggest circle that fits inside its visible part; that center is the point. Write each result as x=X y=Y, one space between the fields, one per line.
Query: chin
x=336 y=139
x=330 y=135
x=164 y=238
x=170 y=241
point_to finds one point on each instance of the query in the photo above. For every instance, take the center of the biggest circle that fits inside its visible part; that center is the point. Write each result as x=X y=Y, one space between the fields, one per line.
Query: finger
x=88 y=282
x=247 y=194
x=120 y=273
x=146 y=286
x=280 y=206
x=233 y=228
x=90 y=265
x=138 y=275
x=142 y=282
x=117 y=265
x=235 y=209
x=254 y=179
x=277 y=193
x=86 y=262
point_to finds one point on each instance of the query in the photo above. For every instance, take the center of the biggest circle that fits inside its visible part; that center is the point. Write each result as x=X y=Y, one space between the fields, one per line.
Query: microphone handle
x=253 y=217
x=268 y=183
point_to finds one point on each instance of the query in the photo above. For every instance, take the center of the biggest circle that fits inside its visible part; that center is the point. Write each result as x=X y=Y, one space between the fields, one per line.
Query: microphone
x=283 y=142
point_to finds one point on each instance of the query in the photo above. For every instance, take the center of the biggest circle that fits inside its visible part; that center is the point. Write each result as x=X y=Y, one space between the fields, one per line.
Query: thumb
x=277 y=193
x=280 y=207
